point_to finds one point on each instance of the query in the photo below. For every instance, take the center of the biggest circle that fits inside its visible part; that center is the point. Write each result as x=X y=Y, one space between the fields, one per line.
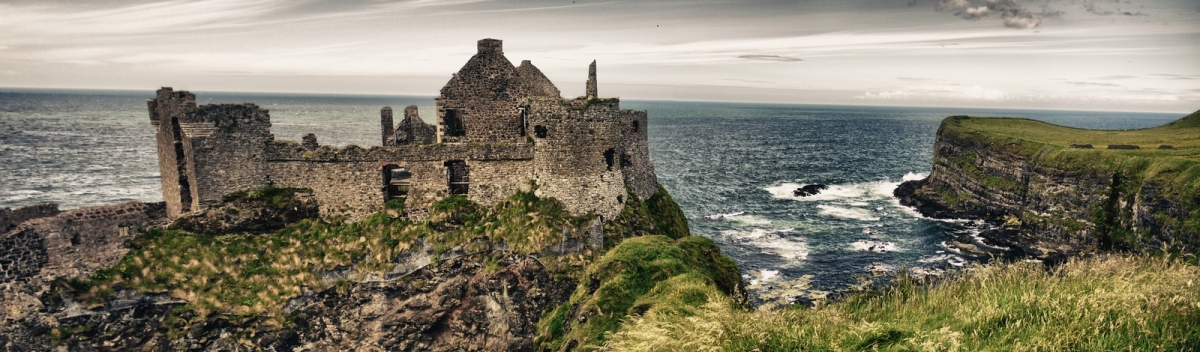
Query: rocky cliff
x=1059 y=191
x=468 y=278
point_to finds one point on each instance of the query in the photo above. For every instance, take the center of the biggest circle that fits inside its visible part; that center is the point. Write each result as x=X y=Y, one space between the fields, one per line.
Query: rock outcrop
x=256 y=211
x=1055 y=199
x=809 y=190
x=458 y=304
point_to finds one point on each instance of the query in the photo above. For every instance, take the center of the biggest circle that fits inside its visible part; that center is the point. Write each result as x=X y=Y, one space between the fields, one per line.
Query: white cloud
x=939 y=92
x=953 y=93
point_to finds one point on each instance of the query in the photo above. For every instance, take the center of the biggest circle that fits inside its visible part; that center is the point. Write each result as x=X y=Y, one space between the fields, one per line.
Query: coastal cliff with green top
x=1061 y=191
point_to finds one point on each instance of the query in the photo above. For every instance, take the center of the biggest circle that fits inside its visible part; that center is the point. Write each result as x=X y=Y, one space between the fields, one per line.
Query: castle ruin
x=500 y=129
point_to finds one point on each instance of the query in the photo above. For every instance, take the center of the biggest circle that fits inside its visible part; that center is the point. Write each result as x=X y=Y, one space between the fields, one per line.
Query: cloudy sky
x=1128 y=55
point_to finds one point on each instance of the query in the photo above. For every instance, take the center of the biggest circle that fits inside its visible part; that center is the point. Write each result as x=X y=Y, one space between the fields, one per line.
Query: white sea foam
x=723 y=215
x=880 y=267
x=873 y=246
x=759 y=277
x=847 y=213
x=741 y=217
x=941 y=258
x=834 y=192
x=914 y=176
x=854 y=192
x=769 y=242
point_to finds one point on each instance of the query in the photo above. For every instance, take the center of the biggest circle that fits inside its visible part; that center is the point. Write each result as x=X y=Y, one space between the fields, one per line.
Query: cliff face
x=1053 y=198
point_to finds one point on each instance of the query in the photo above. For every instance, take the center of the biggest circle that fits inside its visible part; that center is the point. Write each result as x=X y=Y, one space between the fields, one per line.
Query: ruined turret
x=413 y=130
x=591 y=83
x=385 y=119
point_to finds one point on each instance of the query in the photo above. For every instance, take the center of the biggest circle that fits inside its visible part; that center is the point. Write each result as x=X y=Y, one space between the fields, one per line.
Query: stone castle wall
x=487 y=94
x=536 y=82
x=166 y=110
x=350 y=180
x=341 y=188
x=72 y=244
x=635 y=162
x=10 y=218
x=576 y=154
x=225 y=145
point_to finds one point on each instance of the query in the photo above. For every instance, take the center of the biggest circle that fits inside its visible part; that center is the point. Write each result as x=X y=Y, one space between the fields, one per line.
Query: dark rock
x=1166 y=146
x=451 y=305
x=809 y=190
x=1123 y=146
x=250 y=212
x=915 y=194
x=1081 y=146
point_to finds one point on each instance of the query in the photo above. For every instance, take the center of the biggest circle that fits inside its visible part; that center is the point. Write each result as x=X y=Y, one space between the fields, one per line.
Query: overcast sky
x=1135 y=55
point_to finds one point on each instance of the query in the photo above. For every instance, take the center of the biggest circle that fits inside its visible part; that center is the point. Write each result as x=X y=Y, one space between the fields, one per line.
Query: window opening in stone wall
x=635 y=127
x=396 y=182
x=524 y=121
x=626 y=160
x=454 y=124
x=185 y=186
x=539 y=131
x=459 y=175
x=608 y=158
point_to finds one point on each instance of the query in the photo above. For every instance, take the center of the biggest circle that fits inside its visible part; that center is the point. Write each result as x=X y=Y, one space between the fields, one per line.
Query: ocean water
x=732 y=168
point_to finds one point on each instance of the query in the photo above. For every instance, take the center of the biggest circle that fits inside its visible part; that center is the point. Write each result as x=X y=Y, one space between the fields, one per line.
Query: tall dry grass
x=1102 y=304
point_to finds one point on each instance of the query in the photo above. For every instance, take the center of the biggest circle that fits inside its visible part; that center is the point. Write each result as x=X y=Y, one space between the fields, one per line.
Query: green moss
x=666 y=214
x=642 y=274
x=395 y=203
x=276 y=197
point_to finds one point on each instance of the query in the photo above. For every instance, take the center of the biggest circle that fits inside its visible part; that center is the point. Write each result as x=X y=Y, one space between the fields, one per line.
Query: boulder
x=809 y=190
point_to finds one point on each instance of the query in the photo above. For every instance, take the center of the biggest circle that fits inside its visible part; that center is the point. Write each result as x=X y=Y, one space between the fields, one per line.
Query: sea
x=732 y=167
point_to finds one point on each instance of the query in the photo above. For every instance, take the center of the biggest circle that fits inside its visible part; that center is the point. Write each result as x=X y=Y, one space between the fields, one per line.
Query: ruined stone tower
x=385 y=120
x=591 y=82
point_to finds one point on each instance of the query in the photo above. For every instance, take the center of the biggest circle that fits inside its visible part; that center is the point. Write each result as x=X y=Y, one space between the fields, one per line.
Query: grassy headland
x=1100 y=304
x=1171 y=174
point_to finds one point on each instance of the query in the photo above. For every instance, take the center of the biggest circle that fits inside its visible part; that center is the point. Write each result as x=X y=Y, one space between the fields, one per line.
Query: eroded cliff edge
x=470 y=277
x=1060 y=191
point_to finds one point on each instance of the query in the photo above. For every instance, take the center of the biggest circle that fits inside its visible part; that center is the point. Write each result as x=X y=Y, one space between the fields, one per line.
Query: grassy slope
x=663 y=269
x=243 y=276
x=1183 y=134
x=1177 y=170
x=649 y=273
x=1115 y=303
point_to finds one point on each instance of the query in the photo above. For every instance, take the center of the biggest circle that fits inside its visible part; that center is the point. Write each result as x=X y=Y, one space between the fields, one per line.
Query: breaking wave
x=847 y=213
x=769 y=242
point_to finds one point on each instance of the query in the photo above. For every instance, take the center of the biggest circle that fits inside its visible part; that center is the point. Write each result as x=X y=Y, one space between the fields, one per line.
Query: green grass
x=639 y=275
x=1183 y=135
x=1109 y=304
x=667 y=215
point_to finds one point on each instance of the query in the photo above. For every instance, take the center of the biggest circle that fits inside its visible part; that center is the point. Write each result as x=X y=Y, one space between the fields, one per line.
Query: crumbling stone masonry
x=500 y=129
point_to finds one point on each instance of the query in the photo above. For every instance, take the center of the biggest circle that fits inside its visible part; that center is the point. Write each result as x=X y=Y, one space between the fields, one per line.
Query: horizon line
x=1185 y=113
